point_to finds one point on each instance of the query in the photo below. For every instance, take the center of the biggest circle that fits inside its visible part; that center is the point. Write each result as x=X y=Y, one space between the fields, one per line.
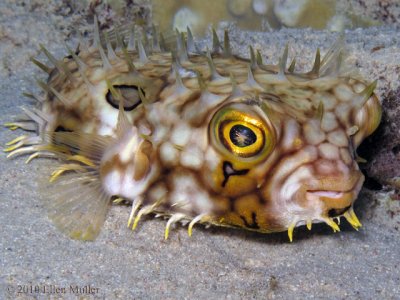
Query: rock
x=382 y=149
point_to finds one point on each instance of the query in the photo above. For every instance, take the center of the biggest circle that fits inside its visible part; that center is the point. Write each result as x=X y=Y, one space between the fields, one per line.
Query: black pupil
x=242 y=136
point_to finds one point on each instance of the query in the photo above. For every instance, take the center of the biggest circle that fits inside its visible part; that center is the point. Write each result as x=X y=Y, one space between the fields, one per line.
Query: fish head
x=284 y=161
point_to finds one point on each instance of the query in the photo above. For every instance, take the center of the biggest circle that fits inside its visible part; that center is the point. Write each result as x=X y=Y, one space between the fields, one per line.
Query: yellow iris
x=241 y=138
x=242 y=133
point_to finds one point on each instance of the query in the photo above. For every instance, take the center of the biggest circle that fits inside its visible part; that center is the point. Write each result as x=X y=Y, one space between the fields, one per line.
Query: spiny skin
x=202 y=137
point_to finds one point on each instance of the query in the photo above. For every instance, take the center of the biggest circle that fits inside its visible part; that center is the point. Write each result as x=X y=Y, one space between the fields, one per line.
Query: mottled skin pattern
x=202 y=137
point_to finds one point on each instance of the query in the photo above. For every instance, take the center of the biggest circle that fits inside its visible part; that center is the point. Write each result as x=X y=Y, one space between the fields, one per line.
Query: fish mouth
x=334 y=199
x=336 y=193
x=330 y=194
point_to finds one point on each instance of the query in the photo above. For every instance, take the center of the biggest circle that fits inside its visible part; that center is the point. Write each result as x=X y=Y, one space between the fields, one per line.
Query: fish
x=197 y=136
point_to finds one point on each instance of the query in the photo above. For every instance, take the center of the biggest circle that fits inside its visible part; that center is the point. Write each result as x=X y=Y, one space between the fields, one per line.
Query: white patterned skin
x=211 y=137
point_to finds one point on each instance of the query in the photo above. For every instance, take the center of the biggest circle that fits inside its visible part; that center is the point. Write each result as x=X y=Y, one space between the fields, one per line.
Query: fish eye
x=241 y=137
x=238 y=131
x=129 y=94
